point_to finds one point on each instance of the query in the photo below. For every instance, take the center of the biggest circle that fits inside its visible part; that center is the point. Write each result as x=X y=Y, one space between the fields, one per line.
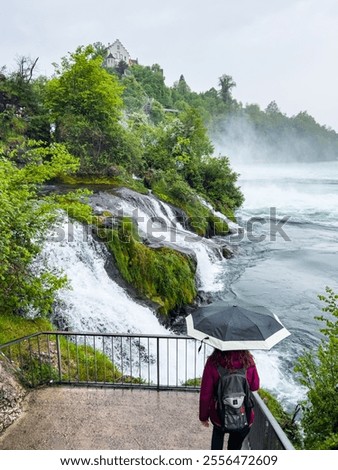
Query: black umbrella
x=231 y=327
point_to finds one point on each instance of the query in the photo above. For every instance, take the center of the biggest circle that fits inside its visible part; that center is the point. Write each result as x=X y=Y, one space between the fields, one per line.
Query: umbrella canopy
x=231 y=327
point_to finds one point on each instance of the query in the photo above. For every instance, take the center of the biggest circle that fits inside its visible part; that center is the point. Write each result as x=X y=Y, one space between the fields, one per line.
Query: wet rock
x=227 y=252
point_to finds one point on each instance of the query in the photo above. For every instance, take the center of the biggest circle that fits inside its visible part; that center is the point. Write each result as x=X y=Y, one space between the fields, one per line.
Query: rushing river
x=286 y=255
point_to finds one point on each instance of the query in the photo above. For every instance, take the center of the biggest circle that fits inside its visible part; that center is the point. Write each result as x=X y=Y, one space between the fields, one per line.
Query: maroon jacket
x=208 y=386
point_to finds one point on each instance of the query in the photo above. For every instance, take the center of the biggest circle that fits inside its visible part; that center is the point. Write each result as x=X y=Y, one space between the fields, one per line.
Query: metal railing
x=103 y=359
x=126 y=360
x=265 y=432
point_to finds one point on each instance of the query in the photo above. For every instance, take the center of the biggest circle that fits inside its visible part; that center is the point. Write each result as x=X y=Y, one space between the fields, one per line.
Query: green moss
x=217 y=226
x=229 y=213
x=75 y=205
x=123 y=180
x=178 y=193
x=162 y=275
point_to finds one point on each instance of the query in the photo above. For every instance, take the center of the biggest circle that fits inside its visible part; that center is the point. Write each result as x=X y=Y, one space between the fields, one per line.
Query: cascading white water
x=94 y=302
x=283 y=274
x=234 y=228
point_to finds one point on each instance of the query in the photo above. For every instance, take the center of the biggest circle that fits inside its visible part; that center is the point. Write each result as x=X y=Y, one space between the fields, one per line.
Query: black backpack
x=234 y=399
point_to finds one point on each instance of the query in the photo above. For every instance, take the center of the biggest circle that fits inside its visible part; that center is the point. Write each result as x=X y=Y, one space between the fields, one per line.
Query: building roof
x=117 y=41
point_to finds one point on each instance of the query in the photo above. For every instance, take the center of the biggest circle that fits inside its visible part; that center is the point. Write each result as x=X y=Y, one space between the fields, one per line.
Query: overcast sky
x=282 y=50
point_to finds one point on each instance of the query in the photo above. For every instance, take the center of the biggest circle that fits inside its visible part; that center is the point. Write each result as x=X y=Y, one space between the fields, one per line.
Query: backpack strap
x=223 y=371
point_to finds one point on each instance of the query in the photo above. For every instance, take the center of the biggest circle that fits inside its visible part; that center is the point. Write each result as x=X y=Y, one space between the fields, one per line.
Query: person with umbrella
x=232 y=330
x=229 y=360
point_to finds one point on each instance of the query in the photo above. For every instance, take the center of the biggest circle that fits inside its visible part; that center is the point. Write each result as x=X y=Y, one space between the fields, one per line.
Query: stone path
x=73 y=418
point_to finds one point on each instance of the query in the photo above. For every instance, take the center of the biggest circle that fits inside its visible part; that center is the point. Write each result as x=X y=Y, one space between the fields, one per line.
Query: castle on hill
x=116 y=53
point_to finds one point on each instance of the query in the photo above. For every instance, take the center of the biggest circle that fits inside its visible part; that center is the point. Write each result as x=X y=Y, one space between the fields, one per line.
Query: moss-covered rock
x=162 y=275
x=115 y=179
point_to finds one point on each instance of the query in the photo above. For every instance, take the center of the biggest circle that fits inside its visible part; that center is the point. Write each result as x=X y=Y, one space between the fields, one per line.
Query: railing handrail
x=89 y=333
x=22 y=338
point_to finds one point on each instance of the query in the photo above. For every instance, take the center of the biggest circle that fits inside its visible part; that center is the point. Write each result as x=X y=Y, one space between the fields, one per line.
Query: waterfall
x=94 y=302
x=158 y=223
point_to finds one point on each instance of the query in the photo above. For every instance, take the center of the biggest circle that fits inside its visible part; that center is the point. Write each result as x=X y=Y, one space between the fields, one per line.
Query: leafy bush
x=318 y=372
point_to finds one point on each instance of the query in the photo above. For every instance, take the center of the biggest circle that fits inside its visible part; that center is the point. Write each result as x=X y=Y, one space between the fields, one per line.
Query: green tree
x=121 y=67
x=318 y=372
x=182 y=87
x=85 y=102
x=226 y=84
x=177 y=142
x=134 y=97
x=82 y=87
x=152 y=81
x=99 y=50
x=22 y=113
x=272 y=108
x=219 y=184
x=189 y=144
x=24 y=221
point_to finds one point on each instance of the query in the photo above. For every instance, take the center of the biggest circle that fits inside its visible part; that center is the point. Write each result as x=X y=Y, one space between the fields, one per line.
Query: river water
x=286 y=256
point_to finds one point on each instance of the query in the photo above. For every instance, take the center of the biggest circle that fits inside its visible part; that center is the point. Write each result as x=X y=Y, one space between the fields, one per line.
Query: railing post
x=158 y=362
x=58 y=350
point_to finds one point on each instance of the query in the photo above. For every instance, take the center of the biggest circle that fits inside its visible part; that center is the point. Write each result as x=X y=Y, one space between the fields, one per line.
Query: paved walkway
x=71 y=418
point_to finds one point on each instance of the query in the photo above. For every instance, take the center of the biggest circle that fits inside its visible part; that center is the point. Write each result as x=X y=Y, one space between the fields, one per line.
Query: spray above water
x=253 y=136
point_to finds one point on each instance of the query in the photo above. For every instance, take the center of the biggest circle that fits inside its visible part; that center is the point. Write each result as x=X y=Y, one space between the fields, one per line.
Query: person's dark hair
x=227 y=358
